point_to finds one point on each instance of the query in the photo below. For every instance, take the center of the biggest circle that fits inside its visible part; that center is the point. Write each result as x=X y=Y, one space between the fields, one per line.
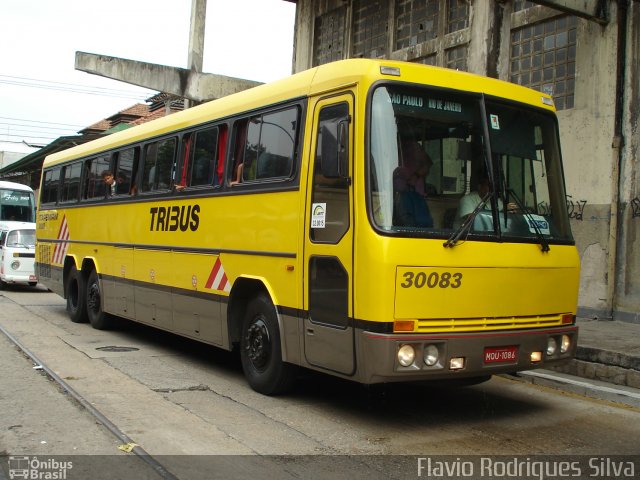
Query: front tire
x=98 y=318
x=260 y=350
x=76 y=297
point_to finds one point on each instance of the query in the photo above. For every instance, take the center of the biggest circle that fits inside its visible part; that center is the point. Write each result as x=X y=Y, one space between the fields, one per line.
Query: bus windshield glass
x=436 y=155
x=17 y=205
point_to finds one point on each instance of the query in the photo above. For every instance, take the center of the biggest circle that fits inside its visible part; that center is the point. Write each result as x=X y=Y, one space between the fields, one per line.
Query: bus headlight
x=406 y=355
x=565 y=343
x=552 y=346
x=15 y=265
x=430 y=356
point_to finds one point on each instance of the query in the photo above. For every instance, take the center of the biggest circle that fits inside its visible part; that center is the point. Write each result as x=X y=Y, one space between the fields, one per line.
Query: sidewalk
x=608 y=351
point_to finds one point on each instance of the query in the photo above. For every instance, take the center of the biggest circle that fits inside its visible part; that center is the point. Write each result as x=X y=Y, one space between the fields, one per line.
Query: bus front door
x=328 y=256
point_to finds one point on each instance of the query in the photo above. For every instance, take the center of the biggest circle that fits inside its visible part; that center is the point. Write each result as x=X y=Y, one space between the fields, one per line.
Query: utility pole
x=190 y=83
x=196 y=40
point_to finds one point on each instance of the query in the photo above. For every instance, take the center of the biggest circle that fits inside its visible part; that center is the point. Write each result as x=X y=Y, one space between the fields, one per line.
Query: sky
x=42 y=96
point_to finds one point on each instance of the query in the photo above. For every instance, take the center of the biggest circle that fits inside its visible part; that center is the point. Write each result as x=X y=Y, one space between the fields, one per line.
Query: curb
x=585 y=387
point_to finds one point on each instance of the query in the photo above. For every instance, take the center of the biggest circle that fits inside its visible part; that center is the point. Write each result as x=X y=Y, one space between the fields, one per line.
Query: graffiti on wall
x=575 y=208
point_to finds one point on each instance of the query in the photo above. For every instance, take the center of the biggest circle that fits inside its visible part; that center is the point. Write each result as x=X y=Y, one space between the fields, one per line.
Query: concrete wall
x=587 y=132
x=627 y=298
x=603 y=184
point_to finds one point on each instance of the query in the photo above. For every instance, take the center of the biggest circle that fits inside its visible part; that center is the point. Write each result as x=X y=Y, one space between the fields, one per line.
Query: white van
x=17 y=253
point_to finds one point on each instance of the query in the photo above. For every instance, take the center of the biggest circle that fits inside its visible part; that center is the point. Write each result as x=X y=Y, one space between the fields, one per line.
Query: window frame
x=240 y=133
x=142 y=169
x=45 y=190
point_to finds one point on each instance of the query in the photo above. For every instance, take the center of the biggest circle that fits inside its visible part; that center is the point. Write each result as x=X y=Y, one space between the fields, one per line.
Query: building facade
x=586 y=53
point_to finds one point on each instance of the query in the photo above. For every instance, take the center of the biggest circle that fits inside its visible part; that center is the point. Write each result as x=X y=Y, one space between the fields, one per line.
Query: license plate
x=501 y=354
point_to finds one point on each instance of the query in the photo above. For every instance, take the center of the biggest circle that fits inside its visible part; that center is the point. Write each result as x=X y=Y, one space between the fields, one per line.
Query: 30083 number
x=431 y=280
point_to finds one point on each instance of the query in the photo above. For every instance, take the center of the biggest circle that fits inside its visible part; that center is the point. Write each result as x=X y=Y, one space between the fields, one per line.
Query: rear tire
x=97 y=317
x=260 y=350
x=76 y=298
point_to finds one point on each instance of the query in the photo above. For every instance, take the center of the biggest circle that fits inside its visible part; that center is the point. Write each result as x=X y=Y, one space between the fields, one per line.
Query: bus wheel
x=260 y=351
x=76 y=301
x=98 y=318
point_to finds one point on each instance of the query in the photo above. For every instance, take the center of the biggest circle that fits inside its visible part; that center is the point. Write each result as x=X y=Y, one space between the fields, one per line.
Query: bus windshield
x=436 y=155
x=17 y=205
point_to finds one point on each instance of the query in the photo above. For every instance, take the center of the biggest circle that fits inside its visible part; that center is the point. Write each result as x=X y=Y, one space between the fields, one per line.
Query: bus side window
x=158 y=165
x=126 y=166
x=204 y=157
x=94 y=185
x=50 y=186
x=71 y=182
x=273 y=135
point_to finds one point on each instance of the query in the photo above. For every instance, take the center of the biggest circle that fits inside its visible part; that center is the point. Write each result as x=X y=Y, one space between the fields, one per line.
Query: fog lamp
x=536 y=357
x=552 y=346
x=406 y=355
x=430 y=355
x=456 y=363
x=15 y=265
x=565 y=343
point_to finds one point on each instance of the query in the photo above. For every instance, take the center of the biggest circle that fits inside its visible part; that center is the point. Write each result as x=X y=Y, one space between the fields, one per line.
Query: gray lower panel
x=153 y=307
x=197 y=317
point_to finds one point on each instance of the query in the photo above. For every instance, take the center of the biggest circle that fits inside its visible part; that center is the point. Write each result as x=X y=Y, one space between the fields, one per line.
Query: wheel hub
x=258 y=343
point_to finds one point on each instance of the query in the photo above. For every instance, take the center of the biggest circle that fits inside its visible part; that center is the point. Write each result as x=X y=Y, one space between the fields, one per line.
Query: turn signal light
x=567 y=319
x=403 y=326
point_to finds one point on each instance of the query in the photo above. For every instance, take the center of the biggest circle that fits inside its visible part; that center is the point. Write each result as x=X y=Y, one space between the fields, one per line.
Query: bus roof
x=15 y=186
x=324 y=78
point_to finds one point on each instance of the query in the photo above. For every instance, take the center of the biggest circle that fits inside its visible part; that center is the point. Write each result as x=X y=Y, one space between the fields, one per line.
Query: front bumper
x=379 y=352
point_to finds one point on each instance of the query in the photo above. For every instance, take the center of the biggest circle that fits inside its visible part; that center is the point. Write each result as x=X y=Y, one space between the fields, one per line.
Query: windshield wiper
x=452 y=241
x=544 y=244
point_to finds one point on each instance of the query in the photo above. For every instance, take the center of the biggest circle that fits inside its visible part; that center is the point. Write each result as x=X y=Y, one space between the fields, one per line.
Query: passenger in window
x=238 y=177
x=471 y=200
x=416 y=165
x=122 y=184
x=110 y=182
x=410 y=187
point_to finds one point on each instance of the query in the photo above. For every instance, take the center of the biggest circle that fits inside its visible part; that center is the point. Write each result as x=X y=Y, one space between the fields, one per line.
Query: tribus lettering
x=172 y=218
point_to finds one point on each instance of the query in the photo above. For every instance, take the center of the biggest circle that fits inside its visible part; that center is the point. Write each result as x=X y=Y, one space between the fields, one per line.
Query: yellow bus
x=323 y=221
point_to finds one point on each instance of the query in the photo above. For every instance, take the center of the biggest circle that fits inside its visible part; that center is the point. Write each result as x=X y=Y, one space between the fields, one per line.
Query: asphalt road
x=187 y=405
